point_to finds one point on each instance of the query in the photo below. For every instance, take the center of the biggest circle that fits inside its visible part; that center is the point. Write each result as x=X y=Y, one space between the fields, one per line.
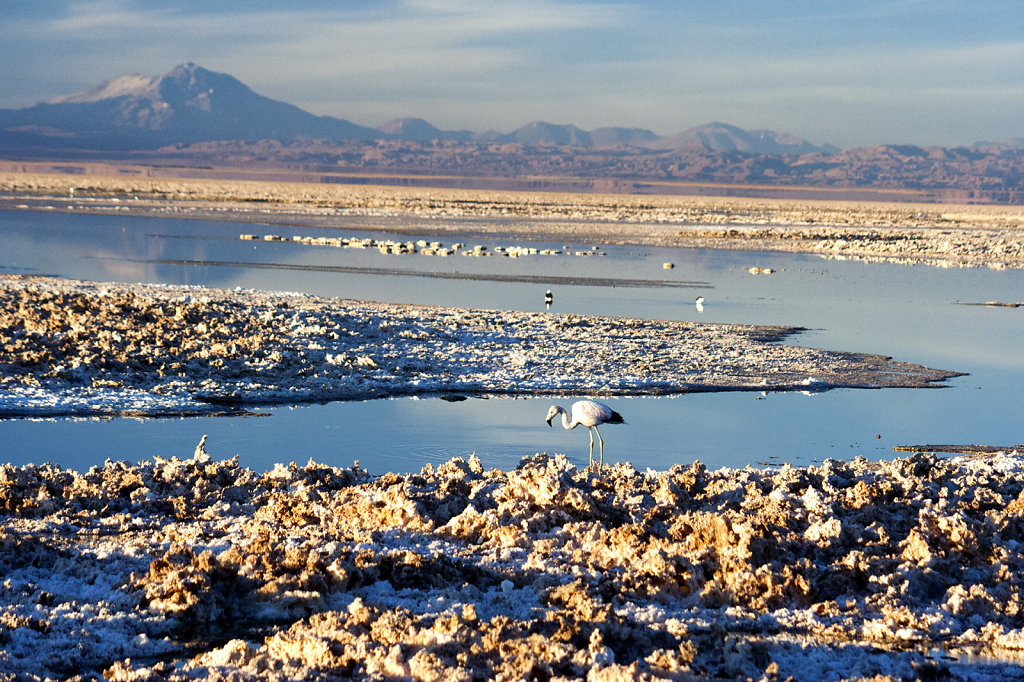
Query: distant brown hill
x=193 y=116
x=989 y=174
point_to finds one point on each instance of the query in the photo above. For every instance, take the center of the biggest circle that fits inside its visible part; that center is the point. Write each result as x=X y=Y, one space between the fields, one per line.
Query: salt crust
x=71 y=348
x=195 y=568
x=942 y=235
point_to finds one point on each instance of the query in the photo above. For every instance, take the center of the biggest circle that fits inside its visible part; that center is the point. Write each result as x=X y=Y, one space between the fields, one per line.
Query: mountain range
x=192 y=116
x=191 y=104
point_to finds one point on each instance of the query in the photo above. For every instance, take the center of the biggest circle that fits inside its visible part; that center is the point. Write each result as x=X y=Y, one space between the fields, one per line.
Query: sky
x=851 y=73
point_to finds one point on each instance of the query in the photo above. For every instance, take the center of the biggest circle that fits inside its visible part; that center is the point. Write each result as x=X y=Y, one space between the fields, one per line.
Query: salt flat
x=193 y=567
x=936 y=234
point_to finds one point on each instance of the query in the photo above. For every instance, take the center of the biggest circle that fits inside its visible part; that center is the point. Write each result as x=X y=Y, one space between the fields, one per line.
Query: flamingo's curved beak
x=548 y=420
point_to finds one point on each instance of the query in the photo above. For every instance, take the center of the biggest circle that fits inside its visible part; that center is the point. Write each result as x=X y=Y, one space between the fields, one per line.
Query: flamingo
x=590 y=414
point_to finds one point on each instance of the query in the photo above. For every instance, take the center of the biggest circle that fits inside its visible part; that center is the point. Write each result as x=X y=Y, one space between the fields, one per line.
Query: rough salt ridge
x=193 y=568
x=80 y=348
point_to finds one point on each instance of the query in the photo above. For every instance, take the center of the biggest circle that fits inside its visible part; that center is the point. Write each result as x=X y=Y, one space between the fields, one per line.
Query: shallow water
x=914 y=314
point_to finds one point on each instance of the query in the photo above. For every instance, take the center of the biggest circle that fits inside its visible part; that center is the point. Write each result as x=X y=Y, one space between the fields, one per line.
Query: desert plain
x=192 y=567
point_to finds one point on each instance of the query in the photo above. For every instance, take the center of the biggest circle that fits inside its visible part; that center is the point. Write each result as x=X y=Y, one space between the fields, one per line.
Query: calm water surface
x=915 y=314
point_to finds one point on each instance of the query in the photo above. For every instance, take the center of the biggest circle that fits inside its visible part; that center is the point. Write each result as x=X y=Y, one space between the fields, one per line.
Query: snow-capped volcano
x=133 y=85
x=189 y=104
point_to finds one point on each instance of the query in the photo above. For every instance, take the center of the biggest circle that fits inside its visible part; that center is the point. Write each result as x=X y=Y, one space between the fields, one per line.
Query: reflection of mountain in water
x=104 y=248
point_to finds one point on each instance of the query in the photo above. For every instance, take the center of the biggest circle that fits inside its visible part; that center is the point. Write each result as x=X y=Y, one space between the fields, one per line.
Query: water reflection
x=910 y=313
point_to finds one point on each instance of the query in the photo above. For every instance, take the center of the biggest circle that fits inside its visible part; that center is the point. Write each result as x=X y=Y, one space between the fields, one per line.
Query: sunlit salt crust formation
x=936 y=234
x=194 y=568
x=70 y=348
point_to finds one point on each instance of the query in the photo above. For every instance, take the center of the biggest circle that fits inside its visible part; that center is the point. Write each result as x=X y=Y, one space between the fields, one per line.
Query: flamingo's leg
x=591 y=465
x=601 y=441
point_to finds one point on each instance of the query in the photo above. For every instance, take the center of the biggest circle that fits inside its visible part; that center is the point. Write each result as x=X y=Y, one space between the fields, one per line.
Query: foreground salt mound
x=201 y=569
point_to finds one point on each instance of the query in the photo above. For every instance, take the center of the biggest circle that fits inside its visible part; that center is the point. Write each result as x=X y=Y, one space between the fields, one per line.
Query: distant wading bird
x=590 y=414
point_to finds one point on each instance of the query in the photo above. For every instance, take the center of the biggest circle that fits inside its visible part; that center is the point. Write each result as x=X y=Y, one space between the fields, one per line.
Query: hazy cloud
x=925 y=72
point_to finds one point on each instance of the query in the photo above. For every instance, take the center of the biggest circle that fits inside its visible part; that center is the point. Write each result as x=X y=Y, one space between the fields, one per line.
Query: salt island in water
x=194 y=567
x=74 y=348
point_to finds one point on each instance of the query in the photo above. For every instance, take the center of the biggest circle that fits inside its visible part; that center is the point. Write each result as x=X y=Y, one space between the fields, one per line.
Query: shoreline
x=941 y=235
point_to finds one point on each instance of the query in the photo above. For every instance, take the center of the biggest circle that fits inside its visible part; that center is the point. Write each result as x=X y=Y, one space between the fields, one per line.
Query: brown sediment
x=959 y=449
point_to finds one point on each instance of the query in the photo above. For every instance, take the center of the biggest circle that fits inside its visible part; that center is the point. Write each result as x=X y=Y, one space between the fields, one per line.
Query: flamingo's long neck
x=569 y=426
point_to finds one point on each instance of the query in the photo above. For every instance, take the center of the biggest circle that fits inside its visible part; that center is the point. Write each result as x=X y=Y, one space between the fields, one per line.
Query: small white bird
x=590 y=414
x=700 y=304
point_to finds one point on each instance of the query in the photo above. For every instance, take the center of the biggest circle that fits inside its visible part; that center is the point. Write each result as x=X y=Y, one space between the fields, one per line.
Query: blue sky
x=849 y=73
